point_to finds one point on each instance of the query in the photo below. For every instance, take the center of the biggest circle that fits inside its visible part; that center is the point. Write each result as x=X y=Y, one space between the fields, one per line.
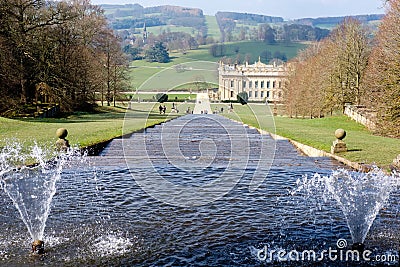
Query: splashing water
x=31 y=187
x=110 y=245
x=360 y=196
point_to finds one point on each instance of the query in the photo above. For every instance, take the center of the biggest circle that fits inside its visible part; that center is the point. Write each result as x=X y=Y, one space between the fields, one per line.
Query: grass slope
x=213 y=28
x=363 y=146
x=86 y=129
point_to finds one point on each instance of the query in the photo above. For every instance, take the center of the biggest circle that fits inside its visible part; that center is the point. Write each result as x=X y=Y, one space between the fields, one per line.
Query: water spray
x=359 y=195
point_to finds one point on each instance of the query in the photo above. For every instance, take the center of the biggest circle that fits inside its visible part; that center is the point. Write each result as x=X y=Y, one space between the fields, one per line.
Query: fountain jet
x=31 y=187
x=359 y=195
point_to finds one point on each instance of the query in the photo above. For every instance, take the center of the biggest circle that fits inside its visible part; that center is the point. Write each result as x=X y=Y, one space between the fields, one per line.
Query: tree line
x=337 y=20
x=263 y=31
x=350 y=67
x=57 y=51
x=136 y=23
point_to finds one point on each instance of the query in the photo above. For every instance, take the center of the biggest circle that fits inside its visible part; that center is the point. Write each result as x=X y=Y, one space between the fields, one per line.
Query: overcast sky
x=288 y=9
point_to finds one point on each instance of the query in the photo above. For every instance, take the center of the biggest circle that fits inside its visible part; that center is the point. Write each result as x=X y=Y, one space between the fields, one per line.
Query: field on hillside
x=213 y=29
x=255 y=48
x=169 y=28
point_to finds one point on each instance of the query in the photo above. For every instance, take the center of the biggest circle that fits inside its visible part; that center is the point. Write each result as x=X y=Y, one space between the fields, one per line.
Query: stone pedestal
x=396 y=162
x=62 y=145
x=338 y=146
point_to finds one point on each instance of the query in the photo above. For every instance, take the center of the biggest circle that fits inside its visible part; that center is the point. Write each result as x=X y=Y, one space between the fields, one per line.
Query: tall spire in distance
x=145 y=34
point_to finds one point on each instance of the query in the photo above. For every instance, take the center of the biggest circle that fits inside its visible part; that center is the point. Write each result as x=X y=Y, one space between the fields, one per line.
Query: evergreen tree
x=158 y=53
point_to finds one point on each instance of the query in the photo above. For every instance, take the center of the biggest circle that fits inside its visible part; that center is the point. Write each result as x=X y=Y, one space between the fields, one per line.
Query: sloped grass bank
x=363 y=146
x=85 y=129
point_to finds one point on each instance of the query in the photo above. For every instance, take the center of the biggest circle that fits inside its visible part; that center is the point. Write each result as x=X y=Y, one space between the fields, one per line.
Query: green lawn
x=166 y=77
x=181 y=97
x=363 y=146
x=150 y=97
x=86 y=129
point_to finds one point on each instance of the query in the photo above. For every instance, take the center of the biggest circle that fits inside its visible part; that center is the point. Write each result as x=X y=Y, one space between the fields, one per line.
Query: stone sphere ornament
x=62 y=144
x=338 y=145
x=340 y=134
x=61 y=133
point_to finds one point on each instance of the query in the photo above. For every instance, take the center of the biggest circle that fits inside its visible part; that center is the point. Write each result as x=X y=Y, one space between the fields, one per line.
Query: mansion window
x=256 y=94
x=231 y=93
x=262 y=84
x=250 y=94
x=232 y=83
x=273 y=84
x=256 y=84
x=267 y=94
x=268 y=84
x=250 y=84
x=244 y=84
x=262 y=94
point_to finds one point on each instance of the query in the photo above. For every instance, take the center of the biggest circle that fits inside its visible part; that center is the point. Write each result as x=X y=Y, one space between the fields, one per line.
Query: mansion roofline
x=257 y=68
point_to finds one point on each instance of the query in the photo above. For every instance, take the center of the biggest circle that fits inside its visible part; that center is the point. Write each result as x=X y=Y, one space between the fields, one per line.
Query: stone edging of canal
x=313 y=152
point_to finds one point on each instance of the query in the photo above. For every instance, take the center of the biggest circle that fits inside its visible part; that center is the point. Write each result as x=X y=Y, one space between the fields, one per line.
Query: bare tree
x=328 y=74
x=20 y=23
x=351 y=56
x=382 y=78
x=63 y=44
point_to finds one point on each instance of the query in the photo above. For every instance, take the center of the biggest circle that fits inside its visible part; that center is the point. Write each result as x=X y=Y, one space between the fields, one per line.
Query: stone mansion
x=262 y=82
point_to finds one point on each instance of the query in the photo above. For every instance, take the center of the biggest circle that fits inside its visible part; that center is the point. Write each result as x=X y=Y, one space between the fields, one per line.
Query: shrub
x=161 y=97
x=243 y=98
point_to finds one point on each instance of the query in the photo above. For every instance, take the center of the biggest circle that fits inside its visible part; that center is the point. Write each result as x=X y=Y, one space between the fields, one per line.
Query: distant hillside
x=183 y=28
x=244 y=26
x=138 y=11
x=337 y=20
x=136 y=16
x=130 y=16
x=249 y=18
x=175 y=11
